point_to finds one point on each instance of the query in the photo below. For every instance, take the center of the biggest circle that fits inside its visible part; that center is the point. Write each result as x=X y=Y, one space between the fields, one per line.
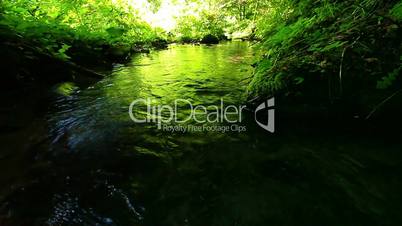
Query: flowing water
x=83 y=161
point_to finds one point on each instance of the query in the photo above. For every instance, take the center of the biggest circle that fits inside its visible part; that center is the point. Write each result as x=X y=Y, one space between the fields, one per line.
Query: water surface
x=90 y=164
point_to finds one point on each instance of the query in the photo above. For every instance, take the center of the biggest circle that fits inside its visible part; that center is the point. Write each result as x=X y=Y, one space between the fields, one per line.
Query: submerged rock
x=210 y=39
x=65 y=88
x=160 y=44
x=188 y=40
x=140 y=48
x=119 y=53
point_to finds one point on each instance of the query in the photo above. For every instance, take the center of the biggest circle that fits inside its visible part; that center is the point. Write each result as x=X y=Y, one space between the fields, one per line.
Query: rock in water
x=210 y=39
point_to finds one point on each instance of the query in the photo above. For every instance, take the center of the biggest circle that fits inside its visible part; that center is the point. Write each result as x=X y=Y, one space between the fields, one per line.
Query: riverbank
x=338 y=59
x=58 y=41
x=25 y=60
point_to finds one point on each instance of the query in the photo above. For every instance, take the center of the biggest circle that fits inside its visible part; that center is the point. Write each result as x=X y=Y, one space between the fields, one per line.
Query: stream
x=81 y=160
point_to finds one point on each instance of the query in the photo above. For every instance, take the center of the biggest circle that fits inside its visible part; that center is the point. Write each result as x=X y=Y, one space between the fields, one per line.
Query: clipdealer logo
x=166 y=115
x=267 y=105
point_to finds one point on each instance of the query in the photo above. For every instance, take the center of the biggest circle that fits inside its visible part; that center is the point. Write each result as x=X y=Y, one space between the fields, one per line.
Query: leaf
x=299 y=80
x=61 y=53
x=115 y=31
x=389 y=80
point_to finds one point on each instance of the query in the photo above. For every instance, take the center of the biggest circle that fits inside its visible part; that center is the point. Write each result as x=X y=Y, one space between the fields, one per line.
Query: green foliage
x=387 y=81
x=308 y=40
x=191 y=27
x=390 y=79
x=396 y=11
x=57 y=25
x=232 y=18
x=61 y=53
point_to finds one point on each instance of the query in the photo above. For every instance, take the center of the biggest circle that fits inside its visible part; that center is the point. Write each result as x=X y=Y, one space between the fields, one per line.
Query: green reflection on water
x=106 y=170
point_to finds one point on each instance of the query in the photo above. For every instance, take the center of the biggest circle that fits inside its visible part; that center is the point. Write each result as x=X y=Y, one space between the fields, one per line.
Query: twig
x=84 y=69
x=382 y=103
x=244 y=79
x=340 y=71
x=276 y=60
x=253 y=100
x=341 y=66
